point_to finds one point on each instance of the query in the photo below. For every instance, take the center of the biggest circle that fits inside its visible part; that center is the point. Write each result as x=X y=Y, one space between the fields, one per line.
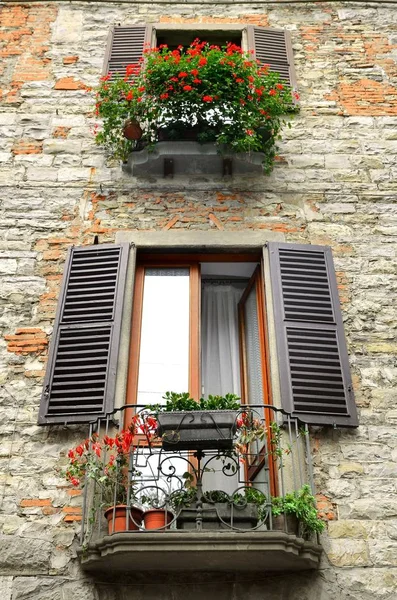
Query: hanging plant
x=222 y=94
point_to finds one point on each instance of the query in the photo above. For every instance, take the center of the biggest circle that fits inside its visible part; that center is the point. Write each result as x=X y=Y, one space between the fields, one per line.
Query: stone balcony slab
x=191 y=158
x=201 y=550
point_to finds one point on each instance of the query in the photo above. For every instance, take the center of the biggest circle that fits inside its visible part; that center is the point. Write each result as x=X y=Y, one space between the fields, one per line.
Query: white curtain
x=220 y=361
x=220 y=341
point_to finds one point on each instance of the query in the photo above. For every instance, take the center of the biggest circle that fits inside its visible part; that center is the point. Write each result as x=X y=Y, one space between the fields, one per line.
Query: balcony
x=214 y=498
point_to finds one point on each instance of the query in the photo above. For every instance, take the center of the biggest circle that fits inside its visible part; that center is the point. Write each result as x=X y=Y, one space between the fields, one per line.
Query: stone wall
x=334 y=183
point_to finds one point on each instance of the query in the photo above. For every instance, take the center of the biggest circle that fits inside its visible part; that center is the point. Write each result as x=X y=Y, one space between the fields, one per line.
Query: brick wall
x=335 y=183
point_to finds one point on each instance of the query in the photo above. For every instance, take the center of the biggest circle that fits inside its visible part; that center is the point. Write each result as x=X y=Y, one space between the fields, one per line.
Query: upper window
x=200 y=324
x=269 y=46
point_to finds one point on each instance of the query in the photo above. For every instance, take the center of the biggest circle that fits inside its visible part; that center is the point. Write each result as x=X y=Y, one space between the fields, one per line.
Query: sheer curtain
x=220 y=360
x=220 y=341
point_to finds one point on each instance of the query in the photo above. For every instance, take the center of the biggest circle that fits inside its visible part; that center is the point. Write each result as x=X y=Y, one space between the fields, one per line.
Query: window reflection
x=164 y=349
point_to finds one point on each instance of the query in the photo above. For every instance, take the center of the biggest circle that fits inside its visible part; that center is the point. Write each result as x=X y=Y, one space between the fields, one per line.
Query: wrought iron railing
x=227 y=484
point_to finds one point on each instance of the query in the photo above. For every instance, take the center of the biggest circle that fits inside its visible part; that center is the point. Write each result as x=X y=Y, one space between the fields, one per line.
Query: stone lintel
x=218 y=241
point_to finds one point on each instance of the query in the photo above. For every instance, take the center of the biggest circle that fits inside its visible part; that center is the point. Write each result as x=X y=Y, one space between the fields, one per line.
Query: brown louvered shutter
x=315 y=378
x=81 y=370
x=125 y=47
x=273 y=47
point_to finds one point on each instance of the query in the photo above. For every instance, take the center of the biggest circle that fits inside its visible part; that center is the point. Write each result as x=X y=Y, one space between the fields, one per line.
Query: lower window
x=198 y=326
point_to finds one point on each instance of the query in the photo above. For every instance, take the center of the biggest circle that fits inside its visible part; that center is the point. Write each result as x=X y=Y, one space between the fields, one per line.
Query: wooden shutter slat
x=315 y=380
x=80 y=378
x=273 y=47
x=125 y=47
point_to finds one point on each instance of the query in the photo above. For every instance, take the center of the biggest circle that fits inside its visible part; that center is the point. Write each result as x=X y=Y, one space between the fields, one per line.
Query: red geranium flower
x=129 y=96
x=279 y=86
x=207 y=98
x=272 y=93
x=132 y=69
x=202 y=62
x=187 y=88
x=80 y=450
x=163 y=96
x=183 y=74
x=194 y=72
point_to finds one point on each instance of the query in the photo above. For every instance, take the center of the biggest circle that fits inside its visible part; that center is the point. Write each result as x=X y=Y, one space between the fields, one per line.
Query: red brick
x=70 y=83
x=61 y=132
x=75 y=510
x=71 y=518
x=29 y=502
x=70 y=60
x=27 y=147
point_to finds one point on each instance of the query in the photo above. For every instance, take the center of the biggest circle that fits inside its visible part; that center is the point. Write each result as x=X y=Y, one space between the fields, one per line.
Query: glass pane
x=253 y=351
x=164 y=352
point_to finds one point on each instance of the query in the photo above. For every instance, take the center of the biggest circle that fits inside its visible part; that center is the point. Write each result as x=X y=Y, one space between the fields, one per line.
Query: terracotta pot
x=132 y=130
x=157 y=518
x=119 y=513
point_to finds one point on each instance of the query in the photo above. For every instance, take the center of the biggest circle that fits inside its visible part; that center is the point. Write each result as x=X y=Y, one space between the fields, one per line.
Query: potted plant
x=105 y=461
x=204 y=92
x=219 y=509
x=184 y=424
x=158 y=514
x=157 y=518
x=297 y=513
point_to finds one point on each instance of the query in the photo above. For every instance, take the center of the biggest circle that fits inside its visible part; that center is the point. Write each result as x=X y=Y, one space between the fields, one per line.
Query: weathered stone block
x=23 y=556
x=348 y=553
x=64 y=146
x=5 y=588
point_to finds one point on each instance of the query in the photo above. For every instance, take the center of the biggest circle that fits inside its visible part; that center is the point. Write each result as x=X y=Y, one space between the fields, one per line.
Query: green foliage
x=222 y=92
x=183 y=402
x=177 y=402
x=227 y=402
x=302 y=504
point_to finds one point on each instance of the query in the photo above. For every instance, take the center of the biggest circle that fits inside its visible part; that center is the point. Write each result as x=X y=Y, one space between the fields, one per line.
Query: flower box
x=204 y=92
x=197 y=430
x=219 y=515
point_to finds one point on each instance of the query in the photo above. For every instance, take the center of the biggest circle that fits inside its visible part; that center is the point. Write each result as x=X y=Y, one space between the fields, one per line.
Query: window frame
x=192 y=261
x=202 y=243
